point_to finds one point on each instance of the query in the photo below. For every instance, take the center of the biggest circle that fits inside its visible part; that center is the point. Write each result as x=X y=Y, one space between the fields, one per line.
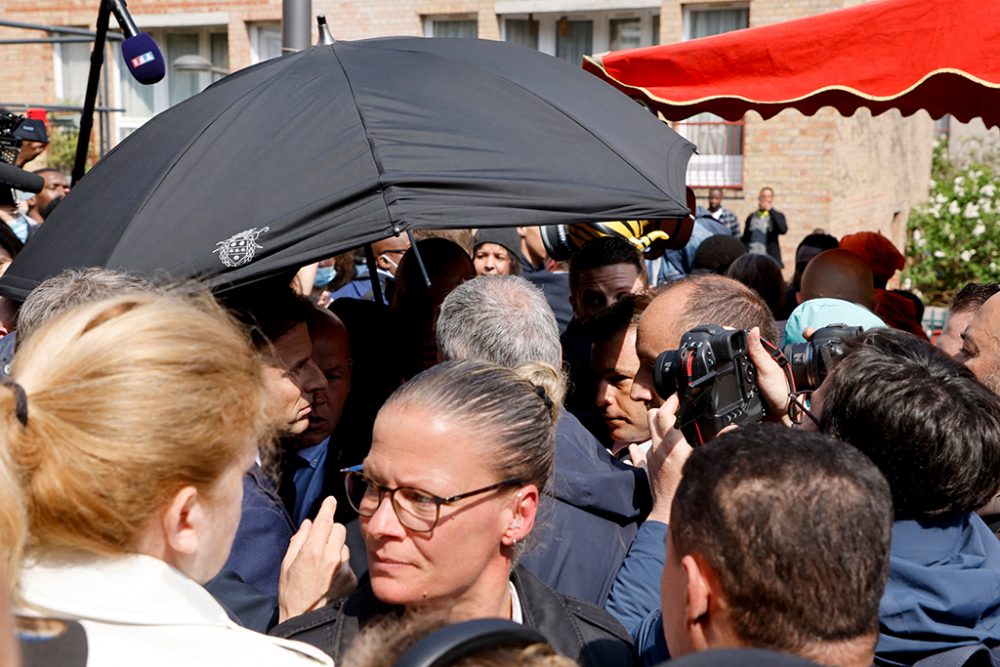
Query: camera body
x=715 y=379
x=10 y=144
x=810 y=362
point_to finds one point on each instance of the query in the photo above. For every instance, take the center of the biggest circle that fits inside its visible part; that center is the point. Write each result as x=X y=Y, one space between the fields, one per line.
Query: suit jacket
x=247 y=586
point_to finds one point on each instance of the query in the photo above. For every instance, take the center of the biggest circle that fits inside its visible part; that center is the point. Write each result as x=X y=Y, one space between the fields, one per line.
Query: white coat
x=137 y=610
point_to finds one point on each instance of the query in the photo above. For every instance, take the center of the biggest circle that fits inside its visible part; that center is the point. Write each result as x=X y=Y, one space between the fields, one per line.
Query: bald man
x=838 y=274
x=683 y=305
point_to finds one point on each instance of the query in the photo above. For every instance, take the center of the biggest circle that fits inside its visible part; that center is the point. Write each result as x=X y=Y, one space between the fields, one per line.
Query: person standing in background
x=764 y=226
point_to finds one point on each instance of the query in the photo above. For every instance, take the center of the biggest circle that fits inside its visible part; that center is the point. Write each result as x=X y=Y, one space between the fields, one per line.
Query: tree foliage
x=954 y=238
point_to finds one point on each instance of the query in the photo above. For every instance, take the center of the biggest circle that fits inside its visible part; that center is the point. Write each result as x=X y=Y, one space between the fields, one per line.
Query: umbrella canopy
x=939 y=55
x=318 y=152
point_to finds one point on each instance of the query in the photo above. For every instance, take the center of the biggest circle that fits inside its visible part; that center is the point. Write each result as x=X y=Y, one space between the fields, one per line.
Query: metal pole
x=90 y=99
x=296 y=25
x=59 y=29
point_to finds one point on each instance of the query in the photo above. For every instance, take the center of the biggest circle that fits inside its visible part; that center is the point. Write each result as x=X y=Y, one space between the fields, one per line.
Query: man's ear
x=699 y=601
x=522 y=515
x=798 y=298
x=183 y=523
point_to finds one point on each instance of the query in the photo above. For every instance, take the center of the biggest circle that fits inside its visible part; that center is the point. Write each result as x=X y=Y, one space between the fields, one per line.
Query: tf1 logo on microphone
x=142 y=59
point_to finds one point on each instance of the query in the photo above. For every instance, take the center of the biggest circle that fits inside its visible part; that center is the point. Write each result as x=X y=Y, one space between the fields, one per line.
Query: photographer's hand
x=771 y=379
x=667 y=455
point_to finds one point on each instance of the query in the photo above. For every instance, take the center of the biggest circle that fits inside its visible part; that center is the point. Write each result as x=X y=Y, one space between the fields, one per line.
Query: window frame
x=601 y=20
x=428 y=21
x=713 y=170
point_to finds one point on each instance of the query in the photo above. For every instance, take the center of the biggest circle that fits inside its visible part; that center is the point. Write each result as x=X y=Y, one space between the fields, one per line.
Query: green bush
x=955 y=238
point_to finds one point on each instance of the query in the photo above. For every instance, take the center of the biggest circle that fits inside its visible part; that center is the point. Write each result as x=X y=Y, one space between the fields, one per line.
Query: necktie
x=291 y=463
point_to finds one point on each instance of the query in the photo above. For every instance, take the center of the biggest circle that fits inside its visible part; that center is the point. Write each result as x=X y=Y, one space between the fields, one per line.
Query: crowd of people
x=276 y=475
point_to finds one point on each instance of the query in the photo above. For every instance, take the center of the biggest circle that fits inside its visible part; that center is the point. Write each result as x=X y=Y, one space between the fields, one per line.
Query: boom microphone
x=11 y=176
x=142 y=55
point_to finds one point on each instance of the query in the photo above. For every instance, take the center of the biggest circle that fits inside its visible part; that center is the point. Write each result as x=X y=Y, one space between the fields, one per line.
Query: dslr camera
x=715 y=379
x=810 y=362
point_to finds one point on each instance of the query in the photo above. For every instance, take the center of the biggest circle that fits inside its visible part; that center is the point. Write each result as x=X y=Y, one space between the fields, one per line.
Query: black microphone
x=11 y=176
x=142 y=55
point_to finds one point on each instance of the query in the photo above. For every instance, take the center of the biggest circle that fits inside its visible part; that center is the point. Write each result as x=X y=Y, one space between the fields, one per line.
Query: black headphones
x=454 y=642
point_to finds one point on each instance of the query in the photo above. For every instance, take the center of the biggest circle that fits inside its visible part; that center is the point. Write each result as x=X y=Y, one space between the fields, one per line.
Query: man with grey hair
x=599 y=502
x=72 y=287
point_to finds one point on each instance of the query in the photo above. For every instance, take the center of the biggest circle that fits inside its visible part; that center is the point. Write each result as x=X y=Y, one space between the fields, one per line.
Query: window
x=719 y=161
x=72 y=70
x=705 y=21
x=574 y=39
x=451 y=27
x=142 y=102
x=625 y=34
x=265 y=42
x=521 y=31
x=574 y=35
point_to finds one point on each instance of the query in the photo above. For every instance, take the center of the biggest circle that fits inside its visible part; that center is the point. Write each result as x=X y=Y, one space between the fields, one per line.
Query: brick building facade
x=831 y=172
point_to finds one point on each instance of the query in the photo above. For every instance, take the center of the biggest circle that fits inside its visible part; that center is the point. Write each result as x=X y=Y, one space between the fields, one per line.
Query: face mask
x=324 y=276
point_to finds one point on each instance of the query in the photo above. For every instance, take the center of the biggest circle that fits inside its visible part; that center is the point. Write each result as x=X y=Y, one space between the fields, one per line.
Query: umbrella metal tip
x=325 y=36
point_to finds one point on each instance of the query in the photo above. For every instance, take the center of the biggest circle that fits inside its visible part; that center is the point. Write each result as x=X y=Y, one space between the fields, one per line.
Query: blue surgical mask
x=324 y=276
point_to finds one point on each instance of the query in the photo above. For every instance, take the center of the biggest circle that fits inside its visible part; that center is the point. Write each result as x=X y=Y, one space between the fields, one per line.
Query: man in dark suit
x=248 y=585
x=764 y=226
x=311 y=460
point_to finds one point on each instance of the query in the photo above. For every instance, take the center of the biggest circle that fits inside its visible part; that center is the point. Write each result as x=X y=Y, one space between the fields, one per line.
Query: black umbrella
x=301 y=157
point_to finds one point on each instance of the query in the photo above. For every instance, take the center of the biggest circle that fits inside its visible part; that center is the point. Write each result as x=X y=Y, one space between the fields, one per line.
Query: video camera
x=11 y=176
x=715 y=379
x=10 y=143
x=810 y=362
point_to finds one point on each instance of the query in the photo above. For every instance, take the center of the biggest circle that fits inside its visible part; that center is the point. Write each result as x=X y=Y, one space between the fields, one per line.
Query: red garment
x=898 y=312
x=878 y=252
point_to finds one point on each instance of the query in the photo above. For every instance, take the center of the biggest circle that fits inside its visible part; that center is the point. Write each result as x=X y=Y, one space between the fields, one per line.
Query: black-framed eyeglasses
x=798 y=407
x=416 y=509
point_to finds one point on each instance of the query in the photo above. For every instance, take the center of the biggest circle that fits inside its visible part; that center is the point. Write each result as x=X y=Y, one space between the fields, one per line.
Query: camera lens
x=665 y=373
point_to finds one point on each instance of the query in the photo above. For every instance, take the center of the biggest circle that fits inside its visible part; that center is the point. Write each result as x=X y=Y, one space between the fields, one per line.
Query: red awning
x=939 y=55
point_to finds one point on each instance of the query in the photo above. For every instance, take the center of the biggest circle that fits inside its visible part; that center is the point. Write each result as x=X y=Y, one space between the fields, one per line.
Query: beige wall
x=968 y=142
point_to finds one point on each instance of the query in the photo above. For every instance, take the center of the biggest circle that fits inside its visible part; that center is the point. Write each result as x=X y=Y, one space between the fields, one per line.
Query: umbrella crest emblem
x=240 y=248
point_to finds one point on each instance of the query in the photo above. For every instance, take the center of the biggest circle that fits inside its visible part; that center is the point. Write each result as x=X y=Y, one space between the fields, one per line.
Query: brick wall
x=829 y=172
x=839 y=174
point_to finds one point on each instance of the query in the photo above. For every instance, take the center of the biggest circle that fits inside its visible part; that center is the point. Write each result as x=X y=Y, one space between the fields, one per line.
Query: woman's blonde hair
x=128 y=400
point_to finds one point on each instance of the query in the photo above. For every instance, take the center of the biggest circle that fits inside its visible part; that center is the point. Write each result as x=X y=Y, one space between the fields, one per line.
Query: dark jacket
x=581 y=539
x=263 y=536
x=943 y=589
x=779 y=226
x=555 y=287
x=580 y=631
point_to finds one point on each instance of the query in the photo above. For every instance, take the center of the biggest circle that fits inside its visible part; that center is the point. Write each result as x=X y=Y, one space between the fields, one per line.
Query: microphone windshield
x=11 y=176
x=143 y=58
